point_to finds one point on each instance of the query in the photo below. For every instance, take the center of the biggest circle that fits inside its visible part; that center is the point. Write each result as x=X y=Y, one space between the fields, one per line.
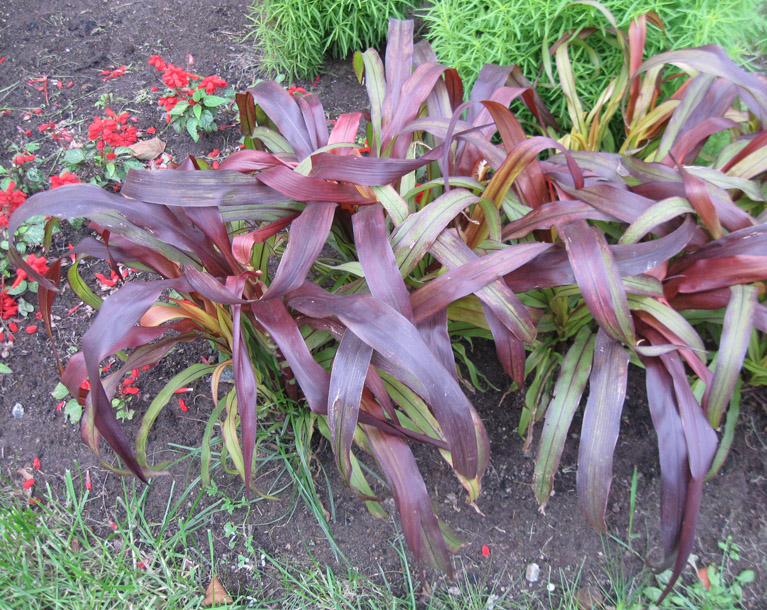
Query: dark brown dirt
x=75 y=41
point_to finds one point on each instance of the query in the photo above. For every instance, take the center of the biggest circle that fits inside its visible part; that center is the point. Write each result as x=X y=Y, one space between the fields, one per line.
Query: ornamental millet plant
x=575 y=263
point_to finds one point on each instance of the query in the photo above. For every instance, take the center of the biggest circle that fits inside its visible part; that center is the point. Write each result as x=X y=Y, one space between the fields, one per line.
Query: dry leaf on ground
x=216 y=595
x=146 y=150
x=703 y=577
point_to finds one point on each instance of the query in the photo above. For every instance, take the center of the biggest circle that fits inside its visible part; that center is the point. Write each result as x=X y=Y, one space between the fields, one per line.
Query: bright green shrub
x=293 y=36
x=467 y=34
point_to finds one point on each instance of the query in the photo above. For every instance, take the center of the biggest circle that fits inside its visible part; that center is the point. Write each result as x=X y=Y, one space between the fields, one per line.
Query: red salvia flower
x=173 y=76
x=8 y=305
x=65 y=178
x=110 y=74
x=211 y=83
x=38 y=263
x=157 y=62
x=11 y=198
x=21 y=159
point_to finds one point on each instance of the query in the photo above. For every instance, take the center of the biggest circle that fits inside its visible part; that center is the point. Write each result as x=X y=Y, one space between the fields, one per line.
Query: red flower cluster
x=65 y=178
x=127 y=388
x=182 y=84
x=10 y=200
x=38 y=263
x=176 y=77
x=8 y=306
x=296 y=90
x=21 y=159
x=110 y=74
x=112 y=131
x=211 y=83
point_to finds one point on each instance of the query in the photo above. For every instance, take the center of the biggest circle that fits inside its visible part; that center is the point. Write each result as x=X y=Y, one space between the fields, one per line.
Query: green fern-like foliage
x=466 y=34
x=293 y=36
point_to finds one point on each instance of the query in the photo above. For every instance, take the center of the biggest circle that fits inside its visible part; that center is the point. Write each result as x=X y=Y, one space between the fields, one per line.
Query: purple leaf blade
x=246 y=385
x=601 y=423
x=701 y=442
x=399 y=342
x=282 y=109
x=471 y=277
x=116 y=318
x=710 y=274
x=302 y=188
x=345 y=131
x=225 y=187
x=549 y=214
x=378 y=262
x=347 y=380
x=452 y=252
x=674 y=467
x=711 y=59
x=367 y=171
x=399 y=67
x=313 y=379
x=552 y=269
x=419 y=523
x=598 y=277
x=308 y=234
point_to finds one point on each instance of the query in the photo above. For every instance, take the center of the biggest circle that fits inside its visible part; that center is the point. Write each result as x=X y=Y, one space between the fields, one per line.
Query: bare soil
x=76 y=40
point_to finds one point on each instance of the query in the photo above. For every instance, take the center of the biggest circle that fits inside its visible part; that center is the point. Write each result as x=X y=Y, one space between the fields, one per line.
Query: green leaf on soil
x=73 y=410
x=60 y=391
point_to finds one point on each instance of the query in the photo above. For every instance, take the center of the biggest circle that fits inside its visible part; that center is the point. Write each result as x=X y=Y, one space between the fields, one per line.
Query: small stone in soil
x=532 y=572
x=18 y=411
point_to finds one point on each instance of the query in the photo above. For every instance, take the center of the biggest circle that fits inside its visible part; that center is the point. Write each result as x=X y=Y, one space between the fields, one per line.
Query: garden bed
x=76 y=42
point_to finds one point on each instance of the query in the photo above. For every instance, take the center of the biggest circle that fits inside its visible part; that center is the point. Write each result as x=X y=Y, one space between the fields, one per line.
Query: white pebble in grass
x=17 y=412
x=532 y=572
x=550 y=587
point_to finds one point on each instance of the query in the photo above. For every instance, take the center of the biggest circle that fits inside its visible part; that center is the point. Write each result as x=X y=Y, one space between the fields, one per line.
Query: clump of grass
x=54 y=559
x=294 y=36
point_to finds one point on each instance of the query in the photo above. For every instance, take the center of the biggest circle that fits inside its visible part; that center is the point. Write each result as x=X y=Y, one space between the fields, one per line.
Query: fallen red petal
x=36 y=463
x=485 y=551
x=182 y=405
x=29 y=483
x=31 y=329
